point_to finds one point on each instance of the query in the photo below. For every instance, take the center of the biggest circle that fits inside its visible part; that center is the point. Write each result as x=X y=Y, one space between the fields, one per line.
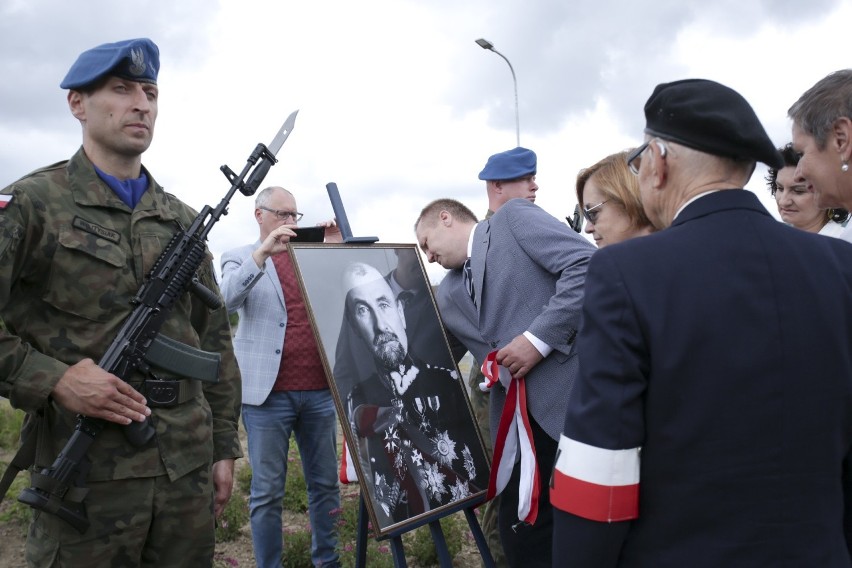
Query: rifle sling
x=24 y=458
x=183 y=360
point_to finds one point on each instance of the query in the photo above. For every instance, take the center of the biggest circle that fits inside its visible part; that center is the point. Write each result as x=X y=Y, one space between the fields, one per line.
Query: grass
x=418 y=544
x=10 y=428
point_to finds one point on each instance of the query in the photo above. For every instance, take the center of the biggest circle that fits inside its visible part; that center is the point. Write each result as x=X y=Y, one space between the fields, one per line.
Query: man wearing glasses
x=284 y=385
x=710 y=422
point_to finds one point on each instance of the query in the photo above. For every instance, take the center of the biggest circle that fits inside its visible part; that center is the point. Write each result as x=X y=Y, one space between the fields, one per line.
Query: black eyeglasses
x=284 y=215
x=591 y=213
x=633 y=159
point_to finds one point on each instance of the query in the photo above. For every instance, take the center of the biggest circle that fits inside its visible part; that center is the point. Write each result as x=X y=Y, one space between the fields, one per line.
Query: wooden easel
x=444 y=558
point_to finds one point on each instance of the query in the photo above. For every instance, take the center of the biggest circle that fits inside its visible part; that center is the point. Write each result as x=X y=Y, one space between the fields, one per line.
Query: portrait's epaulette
x=452 y=372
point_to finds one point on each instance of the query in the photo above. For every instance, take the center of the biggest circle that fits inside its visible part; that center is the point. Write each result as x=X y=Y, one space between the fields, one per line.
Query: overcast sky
x=398 y=105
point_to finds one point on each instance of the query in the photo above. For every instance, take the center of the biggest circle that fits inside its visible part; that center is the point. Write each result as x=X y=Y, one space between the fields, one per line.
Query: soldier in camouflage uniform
x=76 y=241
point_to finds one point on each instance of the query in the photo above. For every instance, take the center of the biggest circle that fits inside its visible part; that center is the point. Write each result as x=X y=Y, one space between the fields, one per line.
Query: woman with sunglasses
x=796 y=203
x=608 y=195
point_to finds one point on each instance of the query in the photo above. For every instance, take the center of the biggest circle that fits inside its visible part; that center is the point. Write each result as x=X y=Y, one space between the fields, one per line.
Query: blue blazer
x=528 y=272
x=721 y=347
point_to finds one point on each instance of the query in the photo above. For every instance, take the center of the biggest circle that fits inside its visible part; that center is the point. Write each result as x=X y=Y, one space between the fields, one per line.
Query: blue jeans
x=311 y=415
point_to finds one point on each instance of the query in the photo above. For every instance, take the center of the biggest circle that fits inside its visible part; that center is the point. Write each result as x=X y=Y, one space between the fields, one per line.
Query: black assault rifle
x=60 y=488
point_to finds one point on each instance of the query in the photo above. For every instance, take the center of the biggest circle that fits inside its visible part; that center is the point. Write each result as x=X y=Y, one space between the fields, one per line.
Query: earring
x=844 y=167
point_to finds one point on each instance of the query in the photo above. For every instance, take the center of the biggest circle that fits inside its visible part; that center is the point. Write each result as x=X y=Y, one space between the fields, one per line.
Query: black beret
x=709 y=117
x=133 y=59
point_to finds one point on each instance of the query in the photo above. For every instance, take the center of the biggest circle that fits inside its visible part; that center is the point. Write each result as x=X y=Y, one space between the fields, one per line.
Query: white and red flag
x=514 y=434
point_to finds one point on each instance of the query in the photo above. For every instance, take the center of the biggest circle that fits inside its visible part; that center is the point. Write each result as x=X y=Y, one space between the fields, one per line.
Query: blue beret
x=511 y=164
x=133 y=59
x=709 y=117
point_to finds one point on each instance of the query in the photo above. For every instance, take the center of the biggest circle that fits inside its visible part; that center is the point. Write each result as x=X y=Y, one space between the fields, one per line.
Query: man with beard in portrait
x=416 y=438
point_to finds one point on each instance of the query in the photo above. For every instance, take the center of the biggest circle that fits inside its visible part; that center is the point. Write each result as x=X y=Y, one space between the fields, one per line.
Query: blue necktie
x=468 y=281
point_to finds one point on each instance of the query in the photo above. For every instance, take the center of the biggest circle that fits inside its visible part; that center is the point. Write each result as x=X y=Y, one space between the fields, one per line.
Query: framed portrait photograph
x=402 y=403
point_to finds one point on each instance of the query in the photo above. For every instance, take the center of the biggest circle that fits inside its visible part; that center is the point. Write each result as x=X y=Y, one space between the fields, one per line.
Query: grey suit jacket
x=256 y=295
x=528 y=272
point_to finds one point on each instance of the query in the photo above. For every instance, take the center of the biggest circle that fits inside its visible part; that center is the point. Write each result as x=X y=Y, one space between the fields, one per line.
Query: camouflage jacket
x=72 y=255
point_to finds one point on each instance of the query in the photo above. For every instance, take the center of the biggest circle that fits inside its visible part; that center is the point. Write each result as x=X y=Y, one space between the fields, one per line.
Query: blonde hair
x=617 y=184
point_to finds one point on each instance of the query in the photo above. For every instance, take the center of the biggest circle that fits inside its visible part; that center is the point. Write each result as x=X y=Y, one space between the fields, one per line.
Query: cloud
x=40 y=39
x=398 y=104
x=569 y=55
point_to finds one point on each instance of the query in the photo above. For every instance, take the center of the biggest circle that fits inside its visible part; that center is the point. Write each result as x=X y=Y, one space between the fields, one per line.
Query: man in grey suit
x=507 y=175
x=284 y=385
x=527 y=272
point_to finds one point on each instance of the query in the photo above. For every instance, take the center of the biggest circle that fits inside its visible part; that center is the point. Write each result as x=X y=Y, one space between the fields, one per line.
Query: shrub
x=378 y=552
x=233 y=518
x=297 y=548
x=420 y=547
x=244 y=479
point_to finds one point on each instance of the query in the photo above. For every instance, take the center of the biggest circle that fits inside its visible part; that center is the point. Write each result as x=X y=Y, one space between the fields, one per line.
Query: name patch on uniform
x=5 y=200
x=97 y=230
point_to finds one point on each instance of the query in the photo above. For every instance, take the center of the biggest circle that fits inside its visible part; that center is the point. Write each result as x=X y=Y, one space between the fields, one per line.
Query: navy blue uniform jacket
x=722 y=347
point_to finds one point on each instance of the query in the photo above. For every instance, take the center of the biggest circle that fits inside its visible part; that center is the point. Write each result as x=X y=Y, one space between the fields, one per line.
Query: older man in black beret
x=710 y=422
x=77 y=240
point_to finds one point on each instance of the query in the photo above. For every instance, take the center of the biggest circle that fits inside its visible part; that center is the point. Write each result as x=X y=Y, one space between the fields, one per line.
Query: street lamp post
x=485 y=44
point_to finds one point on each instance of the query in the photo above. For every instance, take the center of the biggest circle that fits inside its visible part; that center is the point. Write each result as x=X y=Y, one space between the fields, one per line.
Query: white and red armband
x=596 y=483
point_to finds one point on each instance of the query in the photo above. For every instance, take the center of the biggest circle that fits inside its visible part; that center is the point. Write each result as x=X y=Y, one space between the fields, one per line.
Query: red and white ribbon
x=513 y=433
x=347 y=468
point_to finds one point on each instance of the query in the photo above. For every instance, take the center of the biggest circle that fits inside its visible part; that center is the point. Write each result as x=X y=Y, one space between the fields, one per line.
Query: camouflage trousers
x=143 y=522
x=479 y=402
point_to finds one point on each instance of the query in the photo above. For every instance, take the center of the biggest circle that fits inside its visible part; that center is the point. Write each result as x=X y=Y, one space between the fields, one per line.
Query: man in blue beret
x=509 y=175
x=513 y=293
x=710 y=422
x=76 y=241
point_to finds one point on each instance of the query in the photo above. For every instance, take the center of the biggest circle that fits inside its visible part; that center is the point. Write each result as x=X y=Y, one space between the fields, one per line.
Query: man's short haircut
x=265 y=194
x=455 y=208
x=817 y=109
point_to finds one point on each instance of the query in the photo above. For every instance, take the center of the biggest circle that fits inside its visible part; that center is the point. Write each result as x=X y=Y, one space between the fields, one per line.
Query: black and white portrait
x=404 y=408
